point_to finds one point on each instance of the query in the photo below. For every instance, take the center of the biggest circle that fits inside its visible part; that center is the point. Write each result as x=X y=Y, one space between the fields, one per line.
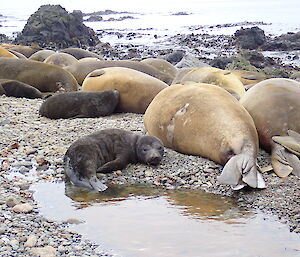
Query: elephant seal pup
x=80 y=104
x=215 y=76
x=137 y=89
x=79 y=53
x=19 y=89
x=205 y=120
x=43 y=76
x=41 y=55
x=108 y=150
x=61 y=59
x=275 y=108
x=81 y=69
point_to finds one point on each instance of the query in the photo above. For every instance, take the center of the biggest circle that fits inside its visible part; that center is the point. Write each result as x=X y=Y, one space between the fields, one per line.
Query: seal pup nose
x=154 y=160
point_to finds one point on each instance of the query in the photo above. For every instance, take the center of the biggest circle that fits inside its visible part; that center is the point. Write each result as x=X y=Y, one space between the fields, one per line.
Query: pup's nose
x=154 y=160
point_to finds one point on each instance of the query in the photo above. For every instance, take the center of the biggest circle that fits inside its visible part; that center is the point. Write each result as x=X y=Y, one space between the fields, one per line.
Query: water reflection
x=141 y=221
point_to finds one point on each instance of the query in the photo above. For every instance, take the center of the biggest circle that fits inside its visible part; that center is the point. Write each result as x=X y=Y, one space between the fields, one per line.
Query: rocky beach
x=32 y=147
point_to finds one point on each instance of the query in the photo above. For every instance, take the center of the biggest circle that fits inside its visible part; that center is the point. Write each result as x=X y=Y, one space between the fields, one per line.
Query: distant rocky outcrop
x=249 y=38
x=53 y=25
x=285 y=42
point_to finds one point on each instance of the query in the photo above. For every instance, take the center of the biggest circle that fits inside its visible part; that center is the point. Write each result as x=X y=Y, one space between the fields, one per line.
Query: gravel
x=34 y=146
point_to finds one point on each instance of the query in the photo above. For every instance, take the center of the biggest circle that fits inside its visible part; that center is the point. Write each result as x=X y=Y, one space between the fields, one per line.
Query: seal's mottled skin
x=80 y=104
x=45 y=77
x=108 y=150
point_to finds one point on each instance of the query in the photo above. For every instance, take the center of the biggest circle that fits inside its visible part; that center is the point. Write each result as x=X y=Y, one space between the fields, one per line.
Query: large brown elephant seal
x=216 y=77
x=162 y=65
x=61 y=59
x=205 y=120
x=108 y=150
x=137 y=89
x=248 y=78
x=79 y=53
x=41 y=55
x=80 y=104
x=44 y=77
x=19 y=89
x=6 y=53
x=81 y=69
x=25 y=50
x=274 y=105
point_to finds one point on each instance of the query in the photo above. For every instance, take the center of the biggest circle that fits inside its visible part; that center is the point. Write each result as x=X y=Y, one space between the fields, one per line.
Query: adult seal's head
x=61 y=59
x=205 y=120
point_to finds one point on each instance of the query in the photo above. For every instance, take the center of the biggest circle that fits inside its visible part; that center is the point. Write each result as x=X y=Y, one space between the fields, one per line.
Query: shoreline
x=27 y=137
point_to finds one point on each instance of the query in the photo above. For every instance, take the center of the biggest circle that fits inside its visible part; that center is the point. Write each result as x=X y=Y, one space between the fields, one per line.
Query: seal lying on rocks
x=19 y=89
x=108 y=150
x=206 y=120
x=80 y=104
x=275 y=108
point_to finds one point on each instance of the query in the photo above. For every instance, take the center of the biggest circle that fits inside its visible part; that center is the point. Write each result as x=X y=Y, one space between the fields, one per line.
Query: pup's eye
x=145 y=150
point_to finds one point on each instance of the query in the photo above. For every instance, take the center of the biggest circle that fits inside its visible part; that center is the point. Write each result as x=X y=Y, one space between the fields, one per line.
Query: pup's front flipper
x=119 y=163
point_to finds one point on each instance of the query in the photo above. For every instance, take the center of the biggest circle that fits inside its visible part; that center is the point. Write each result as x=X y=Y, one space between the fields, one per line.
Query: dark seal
x=80 y=104
x=15 y=88
x=108 y=150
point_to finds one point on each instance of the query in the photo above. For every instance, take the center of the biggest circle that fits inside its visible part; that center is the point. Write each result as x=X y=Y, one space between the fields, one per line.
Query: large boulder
x=249 y=38
x=53 y=25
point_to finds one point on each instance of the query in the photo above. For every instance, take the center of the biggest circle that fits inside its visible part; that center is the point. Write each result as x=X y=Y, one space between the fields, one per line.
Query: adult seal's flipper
x=240 y=171
x=283 y=161
x=290 y=142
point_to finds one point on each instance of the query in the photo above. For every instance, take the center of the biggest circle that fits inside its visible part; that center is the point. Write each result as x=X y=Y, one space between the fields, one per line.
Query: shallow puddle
x=140 y=221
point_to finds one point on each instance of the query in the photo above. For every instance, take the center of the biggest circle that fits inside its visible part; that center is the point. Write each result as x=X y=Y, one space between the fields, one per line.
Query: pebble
x=31 y=241
x=11 y=201
x=47 y=251
x=24 y=208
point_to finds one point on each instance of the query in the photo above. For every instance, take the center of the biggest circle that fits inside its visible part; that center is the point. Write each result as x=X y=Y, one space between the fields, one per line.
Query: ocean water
x=157 y=16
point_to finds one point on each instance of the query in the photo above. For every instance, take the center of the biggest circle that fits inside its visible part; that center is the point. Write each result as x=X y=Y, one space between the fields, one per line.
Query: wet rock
x=249 y=38
x=53 y=25
x=221 y=62
x=285 y=42
x=175 y=57
x=22 y=208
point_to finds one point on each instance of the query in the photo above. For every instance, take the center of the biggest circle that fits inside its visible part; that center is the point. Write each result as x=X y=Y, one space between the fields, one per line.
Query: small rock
x=31 y=241
x=22 y=208
x=148 y=173
x=3 y=229
x=73 y=221
x=14 y=244
x=23 y=185
x=61 y=249
x=11 y=201
x=47 y=251
x=23 y=169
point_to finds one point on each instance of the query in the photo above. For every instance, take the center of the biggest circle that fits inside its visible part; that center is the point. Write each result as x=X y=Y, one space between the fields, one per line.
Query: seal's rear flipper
x=97 y=184
x=290 y=142
x=283 y=161
x=239 y=171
